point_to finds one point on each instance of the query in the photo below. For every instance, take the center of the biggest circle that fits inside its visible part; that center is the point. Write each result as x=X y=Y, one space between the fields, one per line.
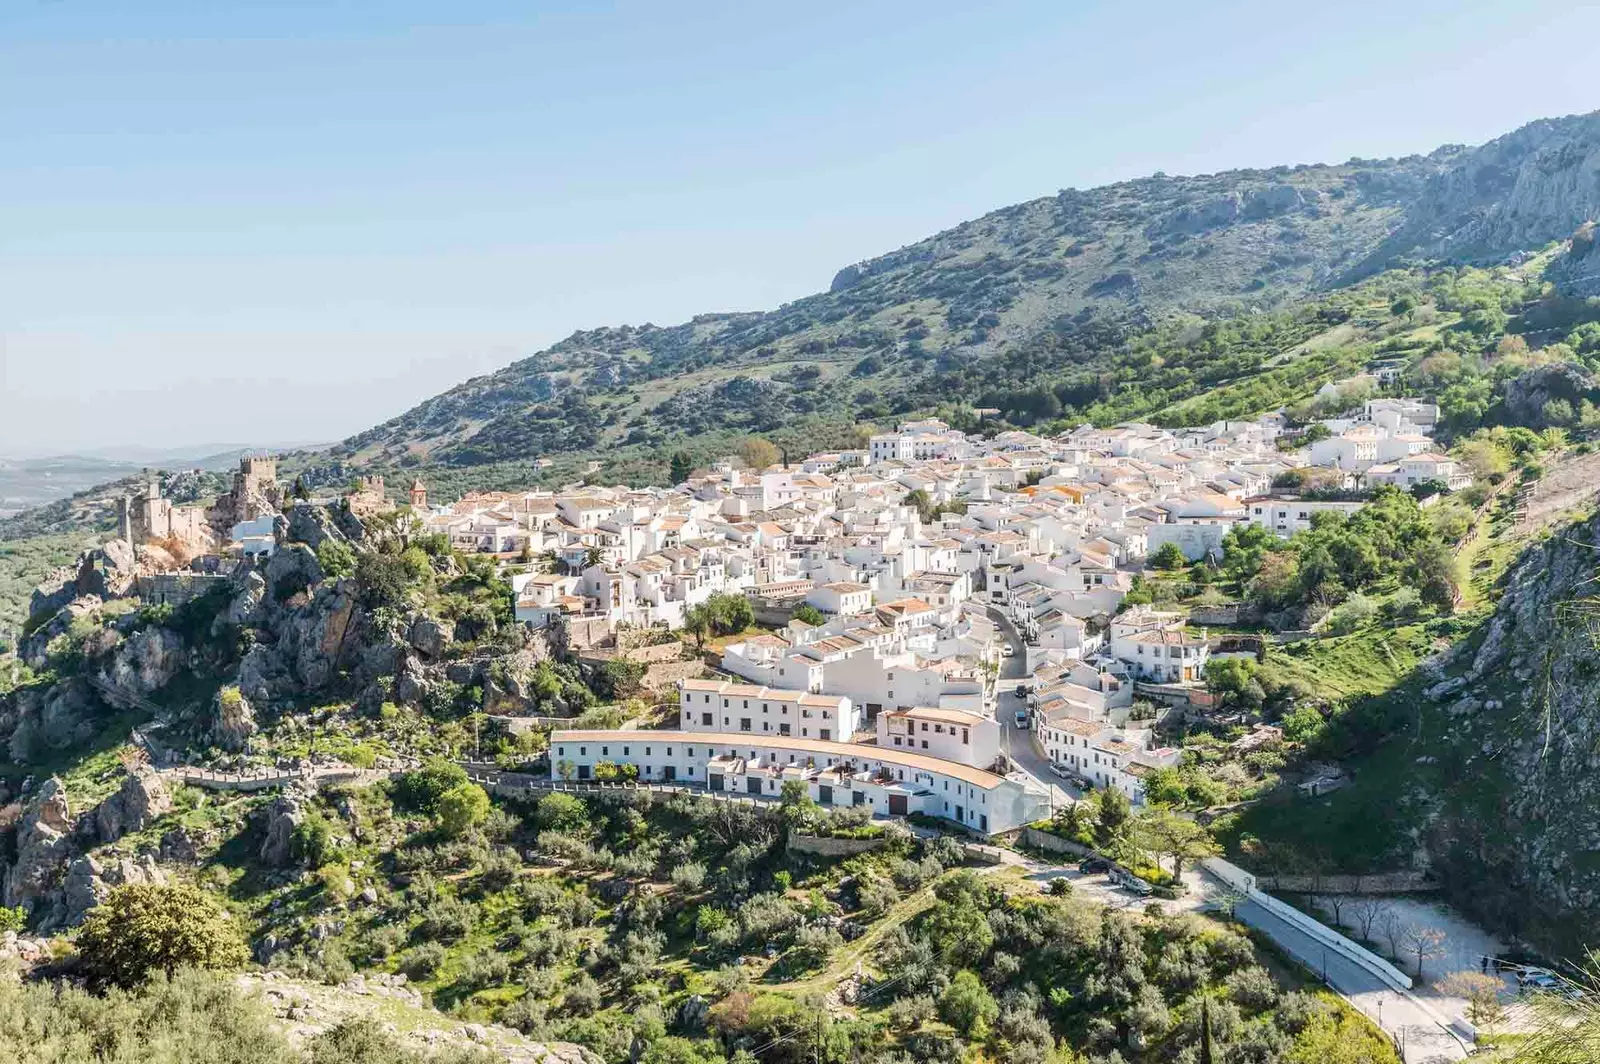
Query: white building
x=841 y=597
x=1288 y=514
x=723 y=706
x=1156 y=646
x=890 y=782
x=950 y=734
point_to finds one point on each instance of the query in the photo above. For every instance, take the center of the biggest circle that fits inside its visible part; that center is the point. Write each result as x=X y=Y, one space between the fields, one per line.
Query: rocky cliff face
x=1518 y=192
x=1516 y=836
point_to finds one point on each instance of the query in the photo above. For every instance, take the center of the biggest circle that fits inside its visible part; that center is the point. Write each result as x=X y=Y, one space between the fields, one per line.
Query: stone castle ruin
x=148 y=517
x=255 y=493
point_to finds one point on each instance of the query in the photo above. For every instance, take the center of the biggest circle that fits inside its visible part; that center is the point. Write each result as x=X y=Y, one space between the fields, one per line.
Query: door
x=583 y=772
x=897 y=804
x=716 y=782
x=752 y=785
x=961 y=814
x=824 y=794
x=669 y=773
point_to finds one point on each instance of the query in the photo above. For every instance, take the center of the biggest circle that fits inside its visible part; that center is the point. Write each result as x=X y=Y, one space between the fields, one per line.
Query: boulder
x=429 y=636
x=312 y=525
x=146 y=662
x=180 y=846
x=313 y=641
x=292 y=569
x=106 y=572
x=411 y=683
x=52 y=718
x=233 y=721
x=34 y=648
x=88 y=882
x=245 y=605
x=81 y=890
x=286 y=813
x=44 y=844
x=264 y=677
x=109 y=570
x=1527 y=394
x=142 y=798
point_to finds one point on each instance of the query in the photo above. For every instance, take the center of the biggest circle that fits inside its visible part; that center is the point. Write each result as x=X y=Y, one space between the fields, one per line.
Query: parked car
x=1059 y=771
x=1134 y=885
x=1536 y=976
x=1024 y=688
x=1090 y=866
x=1022 y=718
x=1007 y=650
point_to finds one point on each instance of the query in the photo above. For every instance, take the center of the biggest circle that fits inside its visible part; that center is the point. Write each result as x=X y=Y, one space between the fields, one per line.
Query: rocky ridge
x=1514 y=823
x=304 y=1011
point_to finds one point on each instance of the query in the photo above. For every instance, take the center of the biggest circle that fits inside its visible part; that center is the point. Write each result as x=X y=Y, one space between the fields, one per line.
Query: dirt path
x=1570 y=483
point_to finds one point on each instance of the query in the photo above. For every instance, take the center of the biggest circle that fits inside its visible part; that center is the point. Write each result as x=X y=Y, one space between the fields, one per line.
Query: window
x=705 y=720
x=825 y=734
x=924 y=744
x=744 y=723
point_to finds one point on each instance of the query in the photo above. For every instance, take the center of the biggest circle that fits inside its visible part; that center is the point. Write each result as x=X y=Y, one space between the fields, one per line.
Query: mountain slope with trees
x=1065 y=280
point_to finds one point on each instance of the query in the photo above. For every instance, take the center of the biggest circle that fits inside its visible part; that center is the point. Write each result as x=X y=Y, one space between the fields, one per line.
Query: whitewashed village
x=937 y=624
x=945 y=631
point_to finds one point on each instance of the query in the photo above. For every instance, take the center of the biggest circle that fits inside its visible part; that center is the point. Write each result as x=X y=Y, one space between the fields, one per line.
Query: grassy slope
x=24 y=563
x=1377 y=823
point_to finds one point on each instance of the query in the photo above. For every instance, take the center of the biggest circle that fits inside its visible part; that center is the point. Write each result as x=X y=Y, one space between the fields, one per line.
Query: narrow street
x=1015 y=742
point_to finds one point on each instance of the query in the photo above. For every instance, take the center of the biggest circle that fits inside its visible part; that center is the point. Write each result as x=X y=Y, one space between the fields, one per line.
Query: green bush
x=461 y=807
x=420 y=789
x=141 y=929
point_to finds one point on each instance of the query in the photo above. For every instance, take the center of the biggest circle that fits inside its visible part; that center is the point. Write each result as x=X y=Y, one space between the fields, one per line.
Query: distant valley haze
x=212 y=227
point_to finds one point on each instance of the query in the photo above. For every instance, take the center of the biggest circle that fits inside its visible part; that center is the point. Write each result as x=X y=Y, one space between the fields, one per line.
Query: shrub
x=420 y=962
x=1168 y=556
x=312 y=841
x=968 y=1006
x=447 y=920
x=336 y=558
x=141 y=928
x=582 y=996
x=561 y=812
x=420 y=789
x=690 y=875
x=461 y=807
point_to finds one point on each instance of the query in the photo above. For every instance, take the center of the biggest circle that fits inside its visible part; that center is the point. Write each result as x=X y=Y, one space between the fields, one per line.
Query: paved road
x=1408 y=1020
x=1015 y=742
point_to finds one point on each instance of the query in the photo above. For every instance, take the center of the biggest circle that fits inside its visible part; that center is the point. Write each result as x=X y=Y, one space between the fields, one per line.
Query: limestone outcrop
x=233 y=721
x=279 y=821
x=145 y=662
x=44 y=845
x=142 y=798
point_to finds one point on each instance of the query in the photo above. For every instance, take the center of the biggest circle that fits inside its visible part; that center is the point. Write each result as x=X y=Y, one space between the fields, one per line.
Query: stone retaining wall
x=1032 y=836
x=831 y=847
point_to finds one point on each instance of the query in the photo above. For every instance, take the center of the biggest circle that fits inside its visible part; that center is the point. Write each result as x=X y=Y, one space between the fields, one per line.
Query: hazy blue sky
x=258 y=222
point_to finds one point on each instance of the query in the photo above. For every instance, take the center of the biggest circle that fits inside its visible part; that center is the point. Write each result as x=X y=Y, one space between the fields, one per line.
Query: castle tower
x=418 y=495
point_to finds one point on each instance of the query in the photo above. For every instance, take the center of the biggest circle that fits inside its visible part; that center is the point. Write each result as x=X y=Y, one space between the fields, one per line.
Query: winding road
x=1414 y=1025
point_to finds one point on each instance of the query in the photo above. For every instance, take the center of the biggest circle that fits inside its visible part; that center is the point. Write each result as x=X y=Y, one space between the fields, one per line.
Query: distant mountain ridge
x=1128 y=253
